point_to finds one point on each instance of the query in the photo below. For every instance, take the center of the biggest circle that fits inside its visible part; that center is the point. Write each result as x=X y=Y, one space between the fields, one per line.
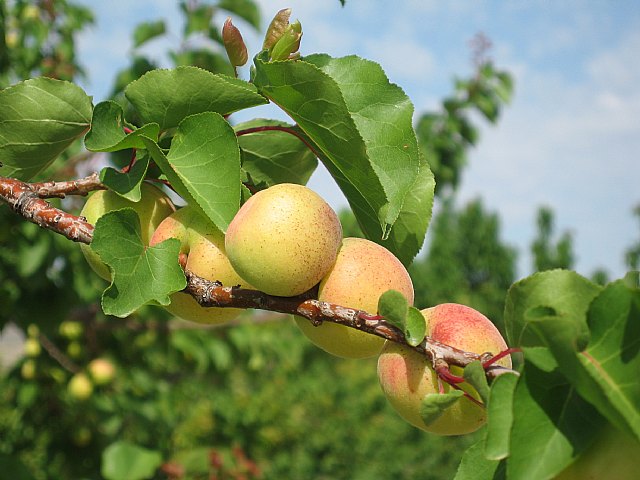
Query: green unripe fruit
x=362 y=272
x=102 y=371
x=153 y=207
x=74 y=350
x=33 y=330
x=70 y=330
x=80 y=387
x=284 y=239
x=32 y=347
x=203 y=244
x=406 y=376
x=28 y=370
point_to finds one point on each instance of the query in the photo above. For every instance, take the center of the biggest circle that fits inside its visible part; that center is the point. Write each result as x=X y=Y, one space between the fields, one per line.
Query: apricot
x=406 y=376
x=284 y=239
x=362 y=272
x=203 y=243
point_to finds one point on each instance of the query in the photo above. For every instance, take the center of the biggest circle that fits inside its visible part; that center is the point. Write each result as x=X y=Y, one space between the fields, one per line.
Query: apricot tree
x=574 y=345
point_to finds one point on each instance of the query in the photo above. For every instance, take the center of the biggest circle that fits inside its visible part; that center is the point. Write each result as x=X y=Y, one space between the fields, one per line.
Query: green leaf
x=126 y=184
x=434 y=404
x=147 y=31
x=562 y=292
x=475 y=375
x=500 y=417
x=40 y=118
x=166 y=97
x=123 y=460
x=475 y=466
x=198 y=18
x=140 y=274
x=246 y=9
x=416 y=327
x=408 y=232
x=552 y=424
x=204 y=154
x=272 y=157
x=393 y=306
x=600 y=370
x=107 y=130
x=612 y=358
x=361 y=127
x=383 y=114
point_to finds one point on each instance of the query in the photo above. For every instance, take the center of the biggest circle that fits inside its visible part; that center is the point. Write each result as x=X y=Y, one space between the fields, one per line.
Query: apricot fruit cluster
x=286 y=240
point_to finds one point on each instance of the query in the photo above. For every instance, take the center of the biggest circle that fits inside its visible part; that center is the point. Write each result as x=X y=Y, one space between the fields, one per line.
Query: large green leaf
x=271 y=157
x=383 y=114
x=563 y=294
x=612 y=358
x=599 y=363
x=552 y=424
x=140 y=274
x=205 y=155
x=123 y=460
x=40 y=118
x=475 y=466
x=361 y=127
x=166 y=97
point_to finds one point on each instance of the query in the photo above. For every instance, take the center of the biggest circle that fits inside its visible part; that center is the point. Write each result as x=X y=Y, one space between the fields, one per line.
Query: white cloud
x=571 y=144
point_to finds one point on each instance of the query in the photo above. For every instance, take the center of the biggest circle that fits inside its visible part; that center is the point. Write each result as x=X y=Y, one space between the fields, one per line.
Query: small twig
x=81 y=186
x=279 y=128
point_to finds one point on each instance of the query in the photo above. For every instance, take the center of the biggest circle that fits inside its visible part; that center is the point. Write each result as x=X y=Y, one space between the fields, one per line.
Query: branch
x=57 y=354
x=214 y=294
x=26 y=200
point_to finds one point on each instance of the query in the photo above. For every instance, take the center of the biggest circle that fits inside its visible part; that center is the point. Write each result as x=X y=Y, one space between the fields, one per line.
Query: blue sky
x=569 y=140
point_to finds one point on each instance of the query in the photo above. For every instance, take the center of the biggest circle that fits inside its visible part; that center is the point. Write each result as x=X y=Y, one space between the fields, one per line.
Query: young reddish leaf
x=234 y=44
x=288 y=43
x=276 y=28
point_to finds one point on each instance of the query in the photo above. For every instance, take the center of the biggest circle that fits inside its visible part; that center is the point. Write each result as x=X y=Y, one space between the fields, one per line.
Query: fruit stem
x=499 y=356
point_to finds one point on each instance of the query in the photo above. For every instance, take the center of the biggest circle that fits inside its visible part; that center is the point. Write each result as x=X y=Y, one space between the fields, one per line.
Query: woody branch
x=28 y=200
